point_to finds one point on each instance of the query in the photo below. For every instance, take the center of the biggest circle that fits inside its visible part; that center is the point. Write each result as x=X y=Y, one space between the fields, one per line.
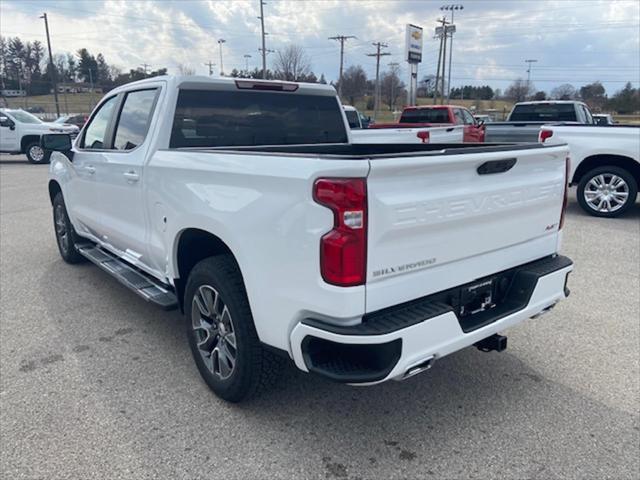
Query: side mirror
x=57 y=142
x=7 y=122
x=480 y=123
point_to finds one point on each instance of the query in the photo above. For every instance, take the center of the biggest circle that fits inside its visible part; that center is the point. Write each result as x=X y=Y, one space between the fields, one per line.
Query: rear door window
x=459 y=116
x=134 y=119
x=216 y=118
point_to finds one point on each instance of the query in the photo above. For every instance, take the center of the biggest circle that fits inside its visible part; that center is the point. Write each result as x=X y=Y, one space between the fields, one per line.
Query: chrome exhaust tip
x=419 y=367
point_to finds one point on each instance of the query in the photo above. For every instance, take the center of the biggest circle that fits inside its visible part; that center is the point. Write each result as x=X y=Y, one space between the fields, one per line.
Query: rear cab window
x=425 y=115
x=222 y=118
x=544 y=112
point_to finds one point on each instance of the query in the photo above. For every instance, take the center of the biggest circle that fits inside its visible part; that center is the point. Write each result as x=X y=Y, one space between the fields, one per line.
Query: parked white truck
x=20 y=132
x=605 y=164
x=245 y=204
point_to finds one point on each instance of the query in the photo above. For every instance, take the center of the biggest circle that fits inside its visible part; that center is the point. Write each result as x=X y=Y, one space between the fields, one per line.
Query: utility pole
x=452 y=9
x=378 y=54
x=246 y=59
x=220 y=42
x=341 y=39
x=210 y=64
x=145 y=67
x=51 y=66
x=394 y=69
x=91 y=87
x=264 y=48
x=529 y=62
x=440 y=33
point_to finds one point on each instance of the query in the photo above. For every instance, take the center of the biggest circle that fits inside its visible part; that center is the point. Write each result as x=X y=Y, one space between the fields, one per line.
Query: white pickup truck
x=20 y=133
x=245 y=204
x=605 y=164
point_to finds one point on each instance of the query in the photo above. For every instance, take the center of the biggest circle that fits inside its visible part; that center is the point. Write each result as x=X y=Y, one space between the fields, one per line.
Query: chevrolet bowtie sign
x=414 y=43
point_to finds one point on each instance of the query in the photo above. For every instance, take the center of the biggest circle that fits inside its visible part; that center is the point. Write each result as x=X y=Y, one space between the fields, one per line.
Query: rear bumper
x=396 y=342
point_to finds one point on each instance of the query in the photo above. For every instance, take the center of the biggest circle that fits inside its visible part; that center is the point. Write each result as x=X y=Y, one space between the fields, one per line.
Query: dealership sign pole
x=414 y=57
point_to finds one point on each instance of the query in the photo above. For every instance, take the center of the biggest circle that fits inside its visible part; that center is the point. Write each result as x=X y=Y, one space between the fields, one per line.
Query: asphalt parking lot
x=96 y=383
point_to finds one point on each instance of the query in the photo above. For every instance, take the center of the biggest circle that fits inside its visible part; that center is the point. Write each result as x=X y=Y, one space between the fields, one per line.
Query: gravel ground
x=96 y=383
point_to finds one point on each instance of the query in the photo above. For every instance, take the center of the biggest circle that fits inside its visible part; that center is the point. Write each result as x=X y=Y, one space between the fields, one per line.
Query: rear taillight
x=544 y=134
x=565 y=201
x=343 y=250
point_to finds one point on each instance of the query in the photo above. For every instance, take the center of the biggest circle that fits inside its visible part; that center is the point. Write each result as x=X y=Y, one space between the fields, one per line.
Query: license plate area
x=476 y=298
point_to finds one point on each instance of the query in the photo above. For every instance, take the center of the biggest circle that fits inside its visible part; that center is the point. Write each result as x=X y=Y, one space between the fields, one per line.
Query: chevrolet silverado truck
x=424 y=134
x=244 y=204
x=451 y=117
x=524 y=122
x=605 y=165
x=20 y=132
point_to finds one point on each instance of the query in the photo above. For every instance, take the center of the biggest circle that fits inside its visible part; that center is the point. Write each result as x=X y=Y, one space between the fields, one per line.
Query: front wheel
x=221 y=332
x=66 y=236
x=36 y=154
x=607 y=191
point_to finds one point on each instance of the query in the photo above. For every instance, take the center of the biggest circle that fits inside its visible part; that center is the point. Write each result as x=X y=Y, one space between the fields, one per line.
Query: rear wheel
x=221 y=332
x=66 y=236
x=36 y=154
x=607 y=191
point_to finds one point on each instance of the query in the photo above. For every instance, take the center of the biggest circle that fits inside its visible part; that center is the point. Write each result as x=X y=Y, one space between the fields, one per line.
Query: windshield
x=352 y=118
x=24 y=117
x=544 y=112
x=213 y=118
x=425 y=115
x=60 y=120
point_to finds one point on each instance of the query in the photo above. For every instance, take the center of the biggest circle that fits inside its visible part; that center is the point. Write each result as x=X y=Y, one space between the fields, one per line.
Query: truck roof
x=548 y=102
x=204 y=82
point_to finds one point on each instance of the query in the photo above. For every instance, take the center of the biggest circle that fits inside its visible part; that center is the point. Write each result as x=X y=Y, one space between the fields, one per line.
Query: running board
x=147 y=287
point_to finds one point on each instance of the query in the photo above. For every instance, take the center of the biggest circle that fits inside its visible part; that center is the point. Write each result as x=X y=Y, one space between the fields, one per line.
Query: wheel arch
x=26 y=140
x=601 y=160
x=191 y=246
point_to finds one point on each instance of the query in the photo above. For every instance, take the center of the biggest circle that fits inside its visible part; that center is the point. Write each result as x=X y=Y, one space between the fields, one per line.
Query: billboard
x=414 y=44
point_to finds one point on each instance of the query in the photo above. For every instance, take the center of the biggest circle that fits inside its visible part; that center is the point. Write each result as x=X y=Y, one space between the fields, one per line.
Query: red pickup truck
x=434 y=115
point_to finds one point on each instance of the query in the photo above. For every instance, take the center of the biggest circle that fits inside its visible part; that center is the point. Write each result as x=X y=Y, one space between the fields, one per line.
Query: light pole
x=53 y=68
x=220 y=42
x=452 y=8
x=246 y=59
x=529 y=62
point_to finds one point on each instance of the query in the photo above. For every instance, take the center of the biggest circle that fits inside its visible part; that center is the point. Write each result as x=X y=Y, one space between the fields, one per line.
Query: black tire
x=254 y=368
x=586 y=188
x=66 y=236
x=36 y=155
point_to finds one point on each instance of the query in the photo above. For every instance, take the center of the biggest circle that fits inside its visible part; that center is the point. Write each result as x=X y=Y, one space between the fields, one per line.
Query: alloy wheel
x=214 y=331
x=62 y=230
x=36 y=153
x=606 y=192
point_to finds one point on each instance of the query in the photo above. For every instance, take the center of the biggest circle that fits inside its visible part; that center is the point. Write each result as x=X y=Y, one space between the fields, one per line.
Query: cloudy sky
x=573 y=41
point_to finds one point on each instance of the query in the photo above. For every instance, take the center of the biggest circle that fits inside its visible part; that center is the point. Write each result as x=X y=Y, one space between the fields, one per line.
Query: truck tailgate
x=439 y=221
x=445 y=134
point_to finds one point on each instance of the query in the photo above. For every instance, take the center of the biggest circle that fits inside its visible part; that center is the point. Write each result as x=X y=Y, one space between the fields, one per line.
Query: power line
x=341 y=39
x=377 y=54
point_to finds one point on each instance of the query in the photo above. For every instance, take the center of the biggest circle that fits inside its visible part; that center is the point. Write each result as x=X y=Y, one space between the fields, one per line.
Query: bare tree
x=519 y=90
x=186 y=70
x=392 y=89
x=354 y=80
x=292 y=64
x=564 y=92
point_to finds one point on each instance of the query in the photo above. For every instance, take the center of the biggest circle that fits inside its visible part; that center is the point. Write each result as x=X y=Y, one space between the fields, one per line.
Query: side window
x=134 y=119
x=459 y=117
x=97 y=129
x=587 y=114
x=468 y=118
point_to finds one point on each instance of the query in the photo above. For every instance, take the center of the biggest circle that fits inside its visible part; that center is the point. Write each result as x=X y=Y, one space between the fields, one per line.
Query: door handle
x=450 y=129
x=131 y=176
x=90 y=169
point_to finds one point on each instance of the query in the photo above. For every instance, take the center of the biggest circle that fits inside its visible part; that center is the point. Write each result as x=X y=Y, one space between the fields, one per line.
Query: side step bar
x=147 y=287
